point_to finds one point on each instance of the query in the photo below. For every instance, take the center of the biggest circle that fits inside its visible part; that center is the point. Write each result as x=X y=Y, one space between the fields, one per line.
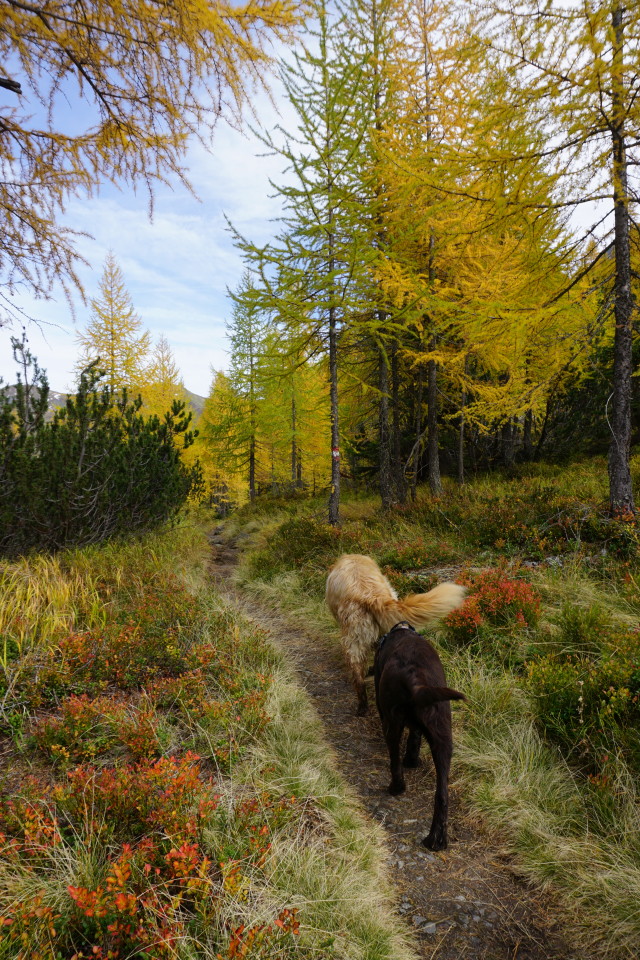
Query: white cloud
x=177 y=266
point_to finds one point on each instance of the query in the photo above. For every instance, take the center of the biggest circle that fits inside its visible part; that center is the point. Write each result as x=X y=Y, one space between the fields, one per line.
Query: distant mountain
x=57 y=400
x=196 y=401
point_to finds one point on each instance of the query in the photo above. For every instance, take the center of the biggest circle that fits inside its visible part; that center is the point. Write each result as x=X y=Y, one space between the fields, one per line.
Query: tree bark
x=508 y=443
x=252 y=466
x=294 y=446
x=433 y=456
x=463 y=400
x=384 y=439
x=620 y=485
x=527 y=436
x=334 y=495
x=399 y=484
x=418 y=447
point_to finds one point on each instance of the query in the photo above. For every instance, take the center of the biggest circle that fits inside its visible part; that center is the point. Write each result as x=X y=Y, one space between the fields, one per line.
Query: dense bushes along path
x=465 y=904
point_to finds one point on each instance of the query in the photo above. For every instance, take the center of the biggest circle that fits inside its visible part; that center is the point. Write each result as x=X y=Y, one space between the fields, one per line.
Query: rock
x=429 y=928
x=554 y=561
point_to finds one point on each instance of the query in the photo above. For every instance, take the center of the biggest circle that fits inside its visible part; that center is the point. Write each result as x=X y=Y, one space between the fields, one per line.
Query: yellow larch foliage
x=140 y=79
x=114 y=335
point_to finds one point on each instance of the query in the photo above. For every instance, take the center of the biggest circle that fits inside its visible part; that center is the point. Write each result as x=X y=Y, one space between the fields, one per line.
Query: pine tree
x=114 y=334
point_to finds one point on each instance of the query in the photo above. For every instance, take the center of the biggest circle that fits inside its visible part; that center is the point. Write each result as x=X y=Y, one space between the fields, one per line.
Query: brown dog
x=365 y=606
x=411 y=692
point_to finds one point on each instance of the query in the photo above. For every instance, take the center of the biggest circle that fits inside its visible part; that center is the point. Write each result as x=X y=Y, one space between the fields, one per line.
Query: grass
x=548 y=749
x=167 y=792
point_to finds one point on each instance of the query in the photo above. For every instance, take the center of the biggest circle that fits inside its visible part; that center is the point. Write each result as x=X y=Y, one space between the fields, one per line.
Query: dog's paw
x=395 y=788
x=437 y=840
x=363 y=710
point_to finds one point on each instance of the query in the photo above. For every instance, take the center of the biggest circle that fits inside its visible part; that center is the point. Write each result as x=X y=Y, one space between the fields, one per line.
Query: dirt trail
x=464 y=904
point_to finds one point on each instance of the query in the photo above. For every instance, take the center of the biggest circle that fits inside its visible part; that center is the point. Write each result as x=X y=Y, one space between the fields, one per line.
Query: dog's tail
x=424 y=696
x=420 y=609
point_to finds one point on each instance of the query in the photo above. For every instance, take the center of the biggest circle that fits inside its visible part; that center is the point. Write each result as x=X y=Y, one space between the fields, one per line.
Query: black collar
x=402 y=625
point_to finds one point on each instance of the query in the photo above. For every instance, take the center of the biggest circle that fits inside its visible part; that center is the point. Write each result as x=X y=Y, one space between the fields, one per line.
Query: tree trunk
x=527 y=436
x=400 y=487
x=334 y=495
x=463 y=400
x=433 y=456
x=294 y=447
x=620 y=485
x=384 y=439
x=418 y=446
x=252 y=467
x=507 y=439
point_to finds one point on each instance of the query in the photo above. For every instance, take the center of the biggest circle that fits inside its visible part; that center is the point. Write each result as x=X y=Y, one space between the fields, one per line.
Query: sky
x=177 y=267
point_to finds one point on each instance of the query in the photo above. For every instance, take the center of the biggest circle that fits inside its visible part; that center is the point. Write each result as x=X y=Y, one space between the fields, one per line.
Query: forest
x=452 y=283
x=432 y=363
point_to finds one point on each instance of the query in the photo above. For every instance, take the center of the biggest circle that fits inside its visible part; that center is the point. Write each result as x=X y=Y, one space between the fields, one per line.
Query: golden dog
x=366 y=606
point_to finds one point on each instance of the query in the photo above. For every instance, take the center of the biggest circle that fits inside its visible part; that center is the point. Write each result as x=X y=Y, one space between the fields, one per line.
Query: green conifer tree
x=309 y=275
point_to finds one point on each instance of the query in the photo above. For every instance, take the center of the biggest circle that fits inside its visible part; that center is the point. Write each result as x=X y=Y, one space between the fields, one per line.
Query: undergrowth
x=158 y=799
x=546 y=647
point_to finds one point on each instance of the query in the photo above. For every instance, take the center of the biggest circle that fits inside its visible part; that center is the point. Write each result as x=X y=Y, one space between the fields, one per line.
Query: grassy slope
x=120 y=669
x=564 y=796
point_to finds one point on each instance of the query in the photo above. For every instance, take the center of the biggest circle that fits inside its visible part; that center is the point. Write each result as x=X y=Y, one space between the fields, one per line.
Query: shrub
x=168 y=851
x=495 y=601
x=583 y=629
x=418 y=553
x=304 y=544
x=411 y=582
x=97 y=470
x=590 y=705
x=85 y=729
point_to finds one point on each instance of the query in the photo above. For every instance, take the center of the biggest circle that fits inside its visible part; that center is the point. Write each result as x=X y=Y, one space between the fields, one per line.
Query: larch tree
x=371 y=39
x=163 y=380
x=141 y=80
x=114 y=335
x=295 y=407
x=473 y=261
x=230 y=422
x=219 y=447
x=579 y=61
x=309 y=273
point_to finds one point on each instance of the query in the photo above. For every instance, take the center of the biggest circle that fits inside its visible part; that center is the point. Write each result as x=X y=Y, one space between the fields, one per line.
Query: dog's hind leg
x=392 y=728
x=360 y=633
x=412 y=750
x=441 y=750
x=357 y=676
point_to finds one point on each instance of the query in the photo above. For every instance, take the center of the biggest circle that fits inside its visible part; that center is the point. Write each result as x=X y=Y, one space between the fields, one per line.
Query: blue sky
x=176 y=266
